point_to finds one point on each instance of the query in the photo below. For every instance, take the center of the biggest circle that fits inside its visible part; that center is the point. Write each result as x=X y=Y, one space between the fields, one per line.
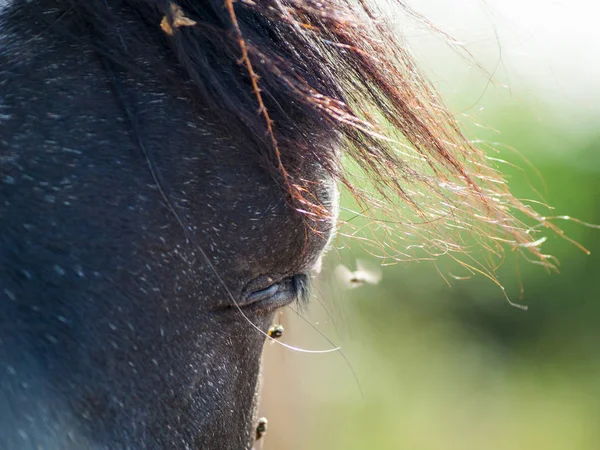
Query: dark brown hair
x=292 y=71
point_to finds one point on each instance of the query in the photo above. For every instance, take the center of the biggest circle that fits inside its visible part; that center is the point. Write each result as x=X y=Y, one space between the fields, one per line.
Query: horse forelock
x=299 y=76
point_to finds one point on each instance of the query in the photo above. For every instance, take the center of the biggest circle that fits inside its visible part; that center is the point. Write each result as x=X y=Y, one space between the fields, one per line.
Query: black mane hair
x=297 y=75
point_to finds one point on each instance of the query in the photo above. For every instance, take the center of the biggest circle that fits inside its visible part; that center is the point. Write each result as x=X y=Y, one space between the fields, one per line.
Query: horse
x=169 y=178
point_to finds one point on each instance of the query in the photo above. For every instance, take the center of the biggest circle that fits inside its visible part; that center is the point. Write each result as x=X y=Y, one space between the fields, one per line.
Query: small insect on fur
x=261 y=428
x=275 y=331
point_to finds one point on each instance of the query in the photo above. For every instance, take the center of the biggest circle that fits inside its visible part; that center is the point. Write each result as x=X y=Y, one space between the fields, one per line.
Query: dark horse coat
x=167 y=181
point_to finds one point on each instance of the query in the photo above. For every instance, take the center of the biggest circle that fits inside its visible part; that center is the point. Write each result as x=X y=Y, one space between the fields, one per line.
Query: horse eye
x=263 y=294
x=267 y=293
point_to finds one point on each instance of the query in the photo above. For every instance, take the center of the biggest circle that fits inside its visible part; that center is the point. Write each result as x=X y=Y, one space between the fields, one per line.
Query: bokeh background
x=428 y=366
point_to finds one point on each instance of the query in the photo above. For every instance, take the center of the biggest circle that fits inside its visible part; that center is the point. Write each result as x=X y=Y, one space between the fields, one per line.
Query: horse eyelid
x=296 y=284
x=265 y=293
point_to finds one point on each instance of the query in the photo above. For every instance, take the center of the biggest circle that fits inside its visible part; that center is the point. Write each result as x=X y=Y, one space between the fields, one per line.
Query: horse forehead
x=253 y=217
x=224 y=178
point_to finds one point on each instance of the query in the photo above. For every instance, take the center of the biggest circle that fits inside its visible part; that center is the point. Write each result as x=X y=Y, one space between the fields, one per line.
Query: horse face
x=132 y=226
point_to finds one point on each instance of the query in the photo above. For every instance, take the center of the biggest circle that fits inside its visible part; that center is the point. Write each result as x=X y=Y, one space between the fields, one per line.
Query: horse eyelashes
x=301 y=286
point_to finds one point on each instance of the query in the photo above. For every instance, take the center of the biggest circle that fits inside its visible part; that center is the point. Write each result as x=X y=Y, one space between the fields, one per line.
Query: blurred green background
x=441 y=367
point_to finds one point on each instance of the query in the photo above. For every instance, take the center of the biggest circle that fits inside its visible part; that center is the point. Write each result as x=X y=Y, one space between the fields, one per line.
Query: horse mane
x=302 y=74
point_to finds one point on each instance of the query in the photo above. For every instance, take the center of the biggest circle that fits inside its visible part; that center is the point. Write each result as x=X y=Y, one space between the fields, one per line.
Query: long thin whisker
x=342 y=354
